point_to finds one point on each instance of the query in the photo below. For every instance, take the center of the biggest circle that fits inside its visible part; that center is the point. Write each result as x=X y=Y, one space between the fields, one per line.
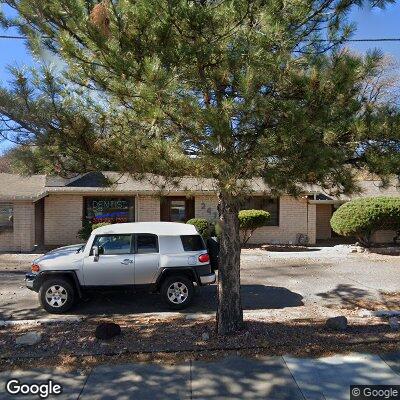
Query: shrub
x=250 y=220
x=95 y=226
x=362 y=217
x=85 y=231
x=203 y=226
x=87 y=227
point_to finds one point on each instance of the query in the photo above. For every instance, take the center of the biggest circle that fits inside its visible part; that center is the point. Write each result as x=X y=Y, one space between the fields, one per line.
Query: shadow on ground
x=284 y=248
x=254 y=297
x=349 y=296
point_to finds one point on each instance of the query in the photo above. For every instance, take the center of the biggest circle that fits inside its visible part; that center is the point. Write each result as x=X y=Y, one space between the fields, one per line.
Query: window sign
x=109 y=209
x=6 y=216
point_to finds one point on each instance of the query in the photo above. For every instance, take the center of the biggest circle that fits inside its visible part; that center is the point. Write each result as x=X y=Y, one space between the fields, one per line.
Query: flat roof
x=157 y=228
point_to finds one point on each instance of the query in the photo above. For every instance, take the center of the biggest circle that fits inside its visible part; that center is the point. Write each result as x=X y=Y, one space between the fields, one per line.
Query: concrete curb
x=40 y=321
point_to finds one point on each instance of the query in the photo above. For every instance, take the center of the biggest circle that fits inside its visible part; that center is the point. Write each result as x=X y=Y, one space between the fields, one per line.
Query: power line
x=12 y=37
x=317 y=40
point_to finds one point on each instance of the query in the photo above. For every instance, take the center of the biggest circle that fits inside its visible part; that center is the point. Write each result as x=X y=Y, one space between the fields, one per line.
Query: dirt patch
x=179 y=338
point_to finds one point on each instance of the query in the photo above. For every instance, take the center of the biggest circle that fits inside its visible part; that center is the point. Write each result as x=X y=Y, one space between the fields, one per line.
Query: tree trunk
x=229 y=312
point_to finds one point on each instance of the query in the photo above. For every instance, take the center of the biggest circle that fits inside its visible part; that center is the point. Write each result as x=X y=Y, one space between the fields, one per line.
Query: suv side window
x=113 y=244
x=192 y=243
x=146 y=243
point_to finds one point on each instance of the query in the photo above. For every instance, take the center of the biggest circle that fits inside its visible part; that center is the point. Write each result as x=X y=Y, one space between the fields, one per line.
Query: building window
x=270 y=204
x=6 y=216
x=109 y=209
x=176 y=209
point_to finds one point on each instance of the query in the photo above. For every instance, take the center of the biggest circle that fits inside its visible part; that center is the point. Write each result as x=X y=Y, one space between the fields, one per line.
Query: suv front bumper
x=208 y=279
x=30 y=281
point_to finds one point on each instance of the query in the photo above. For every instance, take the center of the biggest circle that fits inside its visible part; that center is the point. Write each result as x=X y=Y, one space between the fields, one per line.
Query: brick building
x=42 y=211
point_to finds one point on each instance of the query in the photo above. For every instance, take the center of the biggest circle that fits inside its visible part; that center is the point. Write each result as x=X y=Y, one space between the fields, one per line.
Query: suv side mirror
x=95 y=253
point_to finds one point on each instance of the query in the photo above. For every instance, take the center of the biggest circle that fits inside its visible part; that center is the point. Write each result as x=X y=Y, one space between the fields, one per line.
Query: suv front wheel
x=177 y=292
x=56 y=295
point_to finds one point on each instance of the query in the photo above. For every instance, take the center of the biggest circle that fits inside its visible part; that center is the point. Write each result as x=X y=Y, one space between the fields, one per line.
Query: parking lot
x=309 y=282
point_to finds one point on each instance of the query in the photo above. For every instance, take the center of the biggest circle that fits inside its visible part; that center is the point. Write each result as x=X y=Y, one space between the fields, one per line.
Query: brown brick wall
x=293 y=219
x=62 y=219
x=22 y=236
x=7 y=240
x=383 y=236
x=148 y=208
x=206 y=207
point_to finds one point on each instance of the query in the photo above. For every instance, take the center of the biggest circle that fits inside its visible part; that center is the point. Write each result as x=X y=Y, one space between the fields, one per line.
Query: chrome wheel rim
x=56 y=296
x=177 y=293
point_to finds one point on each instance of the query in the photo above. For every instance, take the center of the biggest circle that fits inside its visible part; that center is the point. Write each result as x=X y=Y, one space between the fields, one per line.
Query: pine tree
x=227 y=89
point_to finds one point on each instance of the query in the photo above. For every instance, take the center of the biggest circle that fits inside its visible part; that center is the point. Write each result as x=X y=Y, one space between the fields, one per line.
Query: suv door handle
x=126 y=261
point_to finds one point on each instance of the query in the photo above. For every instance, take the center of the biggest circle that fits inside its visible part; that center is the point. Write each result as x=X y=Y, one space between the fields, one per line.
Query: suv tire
x=177 y=291
x=56 y=295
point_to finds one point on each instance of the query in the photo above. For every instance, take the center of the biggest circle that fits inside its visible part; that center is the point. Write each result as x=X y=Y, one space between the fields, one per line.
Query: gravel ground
x=318 y=281
x=180 y=337
x=287 y=296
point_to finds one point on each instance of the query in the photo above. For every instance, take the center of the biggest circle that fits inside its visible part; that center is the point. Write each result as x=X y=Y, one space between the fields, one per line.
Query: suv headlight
x=35 y=268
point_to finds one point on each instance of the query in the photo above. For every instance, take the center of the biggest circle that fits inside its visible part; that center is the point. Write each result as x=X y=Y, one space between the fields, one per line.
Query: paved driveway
x=317 y=277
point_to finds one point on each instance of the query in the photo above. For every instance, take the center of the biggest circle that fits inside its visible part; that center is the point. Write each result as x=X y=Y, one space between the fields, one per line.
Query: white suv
x=164 y=257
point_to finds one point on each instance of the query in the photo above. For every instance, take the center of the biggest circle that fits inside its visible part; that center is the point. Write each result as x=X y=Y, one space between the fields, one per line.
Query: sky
x=370 y=24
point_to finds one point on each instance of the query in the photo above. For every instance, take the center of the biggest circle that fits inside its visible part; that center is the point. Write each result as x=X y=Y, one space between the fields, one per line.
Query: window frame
x=278 y=208
x=9 y=226
x=130 y=199
x=135 y=246
x=201 y=239
x=113 y=234
x=165 y=207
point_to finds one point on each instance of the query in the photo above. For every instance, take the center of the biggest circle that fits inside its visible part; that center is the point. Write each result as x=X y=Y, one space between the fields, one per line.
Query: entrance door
x=115 y=264
x=176 y=209
x=323 y=227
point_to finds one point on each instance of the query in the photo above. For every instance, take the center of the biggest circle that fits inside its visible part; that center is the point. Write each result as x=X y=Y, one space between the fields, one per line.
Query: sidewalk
x=273 y=378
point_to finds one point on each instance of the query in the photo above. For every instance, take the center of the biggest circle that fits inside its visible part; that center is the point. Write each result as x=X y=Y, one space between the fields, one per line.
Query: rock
x=29 y=339
x=205 y=336
x=394 y=323
x=337 y=323
x=107 y=330
x=365 y=313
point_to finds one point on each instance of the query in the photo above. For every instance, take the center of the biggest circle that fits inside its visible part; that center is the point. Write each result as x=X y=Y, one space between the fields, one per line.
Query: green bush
x=250 y=220
x=362 y=217
x=204 y=227
x=87 y=227
x=95 y=226
x=85 y=231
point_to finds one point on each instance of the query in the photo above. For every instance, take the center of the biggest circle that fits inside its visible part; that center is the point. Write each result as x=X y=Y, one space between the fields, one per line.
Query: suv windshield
x=192 y=243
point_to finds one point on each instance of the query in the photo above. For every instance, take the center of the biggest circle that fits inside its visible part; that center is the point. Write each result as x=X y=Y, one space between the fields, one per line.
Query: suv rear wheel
x=177 y=292
x=56 y=295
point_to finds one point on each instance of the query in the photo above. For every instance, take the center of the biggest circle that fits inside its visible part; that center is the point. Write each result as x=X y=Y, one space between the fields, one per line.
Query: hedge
x=204 y=227
x=86 y=230
x=363 y=217
x=250 y=220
